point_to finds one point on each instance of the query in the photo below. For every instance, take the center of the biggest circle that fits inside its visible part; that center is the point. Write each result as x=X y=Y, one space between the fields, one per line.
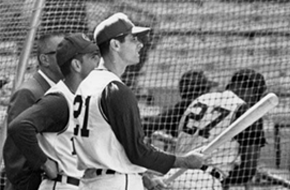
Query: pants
x=194 y=180
x=30 y=182
x=113 y=182
x=48 y=184
x=2 y=179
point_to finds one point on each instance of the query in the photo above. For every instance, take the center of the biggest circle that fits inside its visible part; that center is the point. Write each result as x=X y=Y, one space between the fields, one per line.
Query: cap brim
x=140 y=30
x=90 y=49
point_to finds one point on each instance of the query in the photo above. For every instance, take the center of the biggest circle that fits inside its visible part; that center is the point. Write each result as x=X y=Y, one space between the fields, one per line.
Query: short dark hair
x=105 y=46
x=65 y=68
x=249 y=78
x=43 y=41
x=193 y=84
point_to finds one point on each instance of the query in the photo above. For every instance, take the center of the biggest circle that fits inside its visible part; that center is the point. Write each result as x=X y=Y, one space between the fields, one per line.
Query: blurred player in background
x=209 y=115
x=251 y=87
x=52 y=116
x=20 y=175
x=109 y=139
x=191 y=85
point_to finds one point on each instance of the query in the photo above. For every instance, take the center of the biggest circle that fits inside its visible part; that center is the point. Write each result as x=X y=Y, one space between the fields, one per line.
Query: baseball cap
x=194 y=83
x=73 y=44
x=248 y=78
x=196 y=78
x=116 y=25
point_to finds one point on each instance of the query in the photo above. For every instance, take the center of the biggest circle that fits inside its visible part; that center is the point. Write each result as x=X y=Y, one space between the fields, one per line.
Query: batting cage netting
x=195 y=47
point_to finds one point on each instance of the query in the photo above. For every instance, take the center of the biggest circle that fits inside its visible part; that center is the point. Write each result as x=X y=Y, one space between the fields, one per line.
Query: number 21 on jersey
x=78 y=109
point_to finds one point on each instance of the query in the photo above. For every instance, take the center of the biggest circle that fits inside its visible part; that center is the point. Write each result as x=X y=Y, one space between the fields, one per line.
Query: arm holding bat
x=249 y=86
x=249 y=117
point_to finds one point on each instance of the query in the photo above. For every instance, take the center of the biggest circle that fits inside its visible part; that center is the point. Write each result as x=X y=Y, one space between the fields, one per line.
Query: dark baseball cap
x=72 y=45
x=116 y=25
x=196 y=78
x=248 y=78
x=193 y=84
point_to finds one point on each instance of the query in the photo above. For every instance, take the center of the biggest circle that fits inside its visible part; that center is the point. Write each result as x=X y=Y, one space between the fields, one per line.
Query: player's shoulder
x=61 y=89
x=96 y=82
x=220 y=98
x=211 y=98
x=57 y=87
x=210 y=95
x=102 y=73
x=99 y=76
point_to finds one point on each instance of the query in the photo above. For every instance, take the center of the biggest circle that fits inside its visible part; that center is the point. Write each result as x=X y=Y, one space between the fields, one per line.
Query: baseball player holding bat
x=109 y=139
x=51 y=117
x=209 y=115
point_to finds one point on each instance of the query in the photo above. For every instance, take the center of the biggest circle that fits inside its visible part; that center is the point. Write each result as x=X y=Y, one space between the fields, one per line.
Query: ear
x=76 y=65
x=115 y=44
x=43 y=60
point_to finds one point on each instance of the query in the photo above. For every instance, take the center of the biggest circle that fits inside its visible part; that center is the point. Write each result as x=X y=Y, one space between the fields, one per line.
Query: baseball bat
x=249 y=117
x=273 y=179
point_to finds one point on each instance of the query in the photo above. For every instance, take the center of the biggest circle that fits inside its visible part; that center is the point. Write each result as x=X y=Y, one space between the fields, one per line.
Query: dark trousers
x=30 y=182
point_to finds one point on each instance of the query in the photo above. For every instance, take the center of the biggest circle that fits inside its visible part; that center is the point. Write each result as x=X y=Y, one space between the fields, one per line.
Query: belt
x=104 y=172
x=91 y=173
x=67 y=179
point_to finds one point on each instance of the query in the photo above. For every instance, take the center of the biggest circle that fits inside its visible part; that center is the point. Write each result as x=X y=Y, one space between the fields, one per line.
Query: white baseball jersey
x=96 y=144
x=59 y=146
x=205 y=118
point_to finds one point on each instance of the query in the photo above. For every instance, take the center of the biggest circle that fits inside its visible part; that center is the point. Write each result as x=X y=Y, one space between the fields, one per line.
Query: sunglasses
x=50 y=53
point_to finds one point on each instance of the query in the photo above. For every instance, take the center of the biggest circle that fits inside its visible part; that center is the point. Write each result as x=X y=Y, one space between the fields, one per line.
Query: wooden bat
x=249 y=117
x=273 y=179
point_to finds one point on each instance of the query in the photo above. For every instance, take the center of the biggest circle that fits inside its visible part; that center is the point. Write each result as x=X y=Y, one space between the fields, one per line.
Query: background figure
x=209 y=115
x=19 y=174
x=192 y=84
x=52 y=118
x=251 y=87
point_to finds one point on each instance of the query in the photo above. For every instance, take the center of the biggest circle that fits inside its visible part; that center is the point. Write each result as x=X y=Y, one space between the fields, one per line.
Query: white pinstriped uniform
x=58 y=146
x=97 y=147
x=214 y=111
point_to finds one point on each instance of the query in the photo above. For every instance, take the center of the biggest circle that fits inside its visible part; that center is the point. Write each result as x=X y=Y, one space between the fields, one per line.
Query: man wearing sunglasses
x=19 y=174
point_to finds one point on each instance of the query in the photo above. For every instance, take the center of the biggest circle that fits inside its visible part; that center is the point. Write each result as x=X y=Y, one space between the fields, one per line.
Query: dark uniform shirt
x=120 y=107
x=251 y=140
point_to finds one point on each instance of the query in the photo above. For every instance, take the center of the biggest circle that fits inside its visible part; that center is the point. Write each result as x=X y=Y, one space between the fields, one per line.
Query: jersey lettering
x=78 y=101
x=73 y=146
x=205 y=131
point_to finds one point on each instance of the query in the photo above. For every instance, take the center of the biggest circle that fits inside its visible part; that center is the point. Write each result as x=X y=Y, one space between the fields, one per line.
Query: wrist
x=43 y=166
x=179 y=162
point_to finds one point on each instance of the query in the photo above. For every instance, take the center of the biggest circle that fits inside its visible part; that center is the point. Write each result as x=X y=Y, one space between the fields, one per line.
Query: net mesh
x=217 y=37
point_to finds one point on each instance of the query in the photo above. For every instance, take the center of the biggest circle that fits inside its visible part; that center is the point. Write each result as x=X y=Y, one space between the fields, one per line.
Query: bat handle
x=174 y=176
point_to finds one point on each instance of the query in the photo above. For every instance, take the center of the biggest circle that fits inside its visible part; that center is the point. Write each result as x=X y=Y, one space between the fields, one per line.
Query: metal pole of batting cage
x=26 y=50
x=23 y=61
